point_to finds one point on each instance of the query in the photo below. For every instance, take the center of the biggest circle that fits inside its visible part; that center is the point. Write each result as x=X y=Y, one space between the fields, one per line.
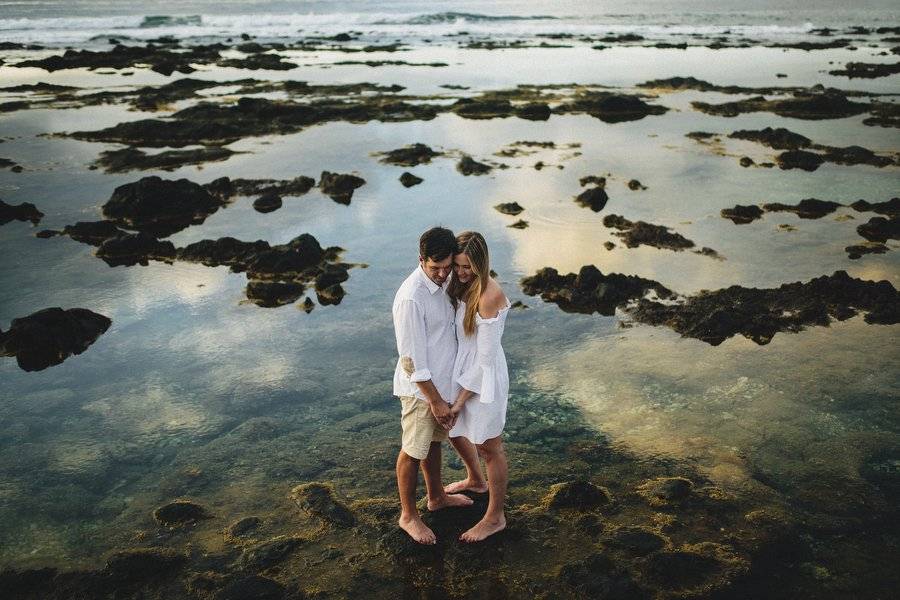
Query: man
x=426 y=342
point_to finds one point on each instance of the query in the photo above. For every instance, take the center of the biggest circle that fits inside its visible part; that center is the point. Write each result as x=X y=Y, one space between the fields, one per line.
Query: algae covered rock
x=339 y=186
x=469 y=166
x=243 y=527
x=409 y=180
x=594 y=198
x=318 y=499
x=664 y=490
x=597 y=576
x=636 y=540
x=269 y=553
x=578 y=495
x=180 y=512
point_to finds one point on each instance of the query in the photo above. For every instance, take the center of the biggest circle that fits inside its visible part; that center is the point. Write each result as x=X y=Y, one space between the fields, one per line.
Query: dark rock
x=269 y=553
x=610 y=107
x=468 y=166
x=242 y=527
x=270 y=62
x=533 y=111
x=121 y=57
x=600 y=182
x=746 y=161
x=225 y=188
x=706 y=251
x=867 y=70
x=270 y=294
x=759 y=314
x=409 y=180
x=129 y=249
x=509 y=208
x=318 y=500
x=254 y=587
x=594 y=198
x=223 y=251
x=49 y=336
x=856 y=251
x=680 y=570
x=608 y=245
x=331 y=274
x=779 y=139
x=597 y=576
x=267 y=203
x=330 y=295
x=578 y=495
x=636 y=540
x=670 y=489
x=809 y=208
x=410 y=156
x=799 y=159
x=160 y=207
x=634 y=185
x=520 y=224
x=590 y=291
x=839 y=43
x=813 y=105
x=482 y=108
x=701 y=135
x=339 y=186
x=742 y=214
x=639 y=233
x=92 y=232
x=131 y=159
x=880 y=229
x=589 y=524
x=141 y=564
x=19 y=212
x=890 y=208
x=179 y=513
x=5 y=162
x=855 y=155
x=308 y=305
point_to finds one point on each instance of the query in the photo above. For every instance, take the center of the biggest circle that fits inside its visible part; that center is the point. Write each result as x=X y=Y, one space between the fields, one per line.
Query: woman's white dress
x=481 y=368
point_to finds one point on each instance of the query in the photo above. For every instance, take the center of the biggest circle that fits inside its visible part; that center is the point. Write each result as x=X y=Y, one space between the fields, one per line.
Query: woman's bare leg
x=474 y=481
x=494 y=519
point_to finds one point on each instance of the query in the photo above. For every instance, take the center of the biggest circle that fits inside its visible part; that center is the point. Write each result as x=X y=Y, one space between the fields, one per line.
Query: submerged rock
x=639 y=233
x=509 y=208
x=49 y=336
x=680 y=570
x=179 y=513
x=636 y=540
x=857 y=251
x=468 y=166
x=594 y=198
x=742 y=215
x=160 y=207
x=133 y=159
x=19 y=212
x=579 y=495
x=597 y=576
x=665 y=490
x=243 y=527
x=253 y=587
x=410 y=156
x=269 y=553
x=813 y=104
x=318 y=499
x=409 y=180
x=339 y=186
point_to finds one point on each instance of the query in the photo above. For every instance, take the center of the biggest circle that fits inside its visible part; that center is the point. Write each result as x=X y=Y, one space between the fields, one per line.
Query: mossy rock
x=269 y=553
x=180 y=512
x=243 y=527
x=636 y=540
x=597 y=576
x=318 y=499
x=666 y=490
x=579 y=495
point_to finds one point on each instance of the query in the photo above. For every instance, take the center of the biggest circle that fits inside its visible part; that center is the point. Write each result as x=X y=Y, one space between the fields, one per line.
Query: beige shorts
x=420 y=428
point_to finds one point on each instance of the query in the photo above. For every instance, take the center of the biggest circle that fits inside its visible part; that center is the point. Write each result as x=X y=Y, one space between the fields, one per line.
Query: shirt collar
x=432 y=286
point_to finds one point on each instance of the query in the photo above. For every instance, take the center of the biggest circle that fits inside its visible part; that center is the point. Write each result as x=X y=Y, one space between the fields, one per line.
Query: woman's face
x=462 y=268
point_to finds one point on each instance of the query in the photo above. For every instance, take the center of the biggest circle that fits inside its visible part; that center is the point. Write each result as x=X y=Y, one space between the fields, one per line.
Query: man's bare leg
x=410 y=521
x=494 y=519
x=437 y=497
x=474 y=481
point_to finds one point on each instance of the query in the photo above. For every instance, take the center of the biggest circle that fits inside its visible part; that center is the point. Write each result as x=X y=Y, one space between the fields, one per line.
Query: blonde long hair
x=472 y=244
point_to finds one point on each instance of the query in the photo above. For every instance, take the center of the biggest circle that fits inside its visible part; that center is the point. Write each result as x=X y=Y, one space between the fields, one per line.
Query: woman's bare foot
x=417 y=530
x=483 y=529
x=449 y=500
x=466 y=485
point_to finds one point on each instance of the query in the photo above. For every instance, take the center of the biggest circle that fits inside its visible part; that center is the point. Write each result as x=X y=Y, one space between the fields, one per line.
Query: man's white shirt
x=426 y=336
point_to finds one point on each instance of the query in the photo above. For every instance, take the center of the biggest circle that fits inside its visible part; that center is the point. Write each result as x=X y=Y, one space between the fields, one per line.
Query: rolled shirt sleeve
x=411 y=341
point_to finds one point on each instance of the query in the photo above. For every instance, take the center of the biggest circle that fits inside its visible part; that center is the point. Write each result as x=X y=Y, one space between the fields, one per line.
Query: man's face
x=437 y=270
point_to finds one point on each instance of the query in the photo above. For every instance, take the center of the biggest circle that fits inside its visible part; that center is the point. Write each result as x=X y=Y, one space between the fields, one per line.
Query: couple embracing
x=452 y=379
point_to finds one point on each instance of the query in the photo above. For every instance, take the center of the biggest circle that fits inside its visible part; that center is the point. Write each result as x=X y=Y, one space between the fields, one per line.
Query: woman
x=480 y=380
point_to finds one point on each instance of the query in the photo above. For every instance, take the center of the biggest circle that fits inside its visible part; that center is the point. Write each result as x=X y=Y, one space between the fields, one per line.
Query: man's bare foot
x=417 y=530
x=449 y=500
x=483 y=529
x=466 y=485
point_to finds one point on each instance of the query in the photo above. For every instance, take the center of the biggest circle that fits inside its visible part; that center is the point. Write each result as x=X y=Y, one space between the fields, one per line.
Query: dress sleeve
x=411 y=344
x=479 y=378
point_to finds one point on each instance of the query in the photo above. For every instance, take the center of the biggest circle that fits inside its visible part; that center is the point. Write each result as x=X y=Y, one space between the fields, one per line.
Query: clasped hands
x=446 y=414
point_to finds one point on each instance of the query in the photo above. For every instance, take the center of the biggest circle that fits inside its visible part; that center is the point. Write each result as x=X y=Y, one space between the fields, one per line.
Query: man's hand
x=442 y=413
